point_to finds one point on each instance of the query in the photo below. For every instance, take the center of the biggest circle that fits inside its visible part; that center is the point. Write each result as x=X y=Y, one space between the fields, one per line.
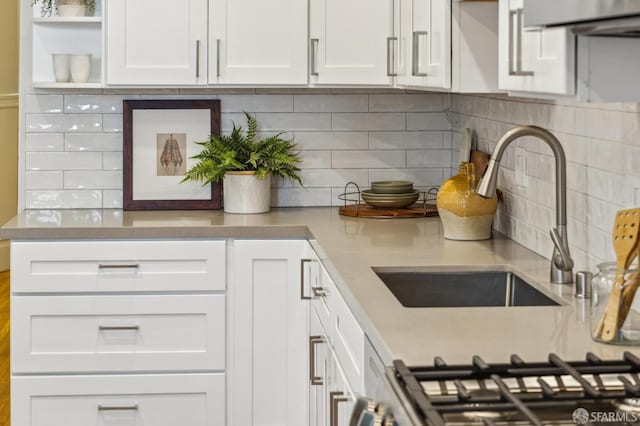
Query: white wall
x=602 y=143
x=73 y=142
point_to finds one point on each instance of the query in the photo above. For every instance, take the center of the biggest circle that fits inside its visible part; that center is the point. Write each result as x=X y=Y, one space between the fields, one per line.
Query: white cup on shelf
x=80 y=67
x=61 y=67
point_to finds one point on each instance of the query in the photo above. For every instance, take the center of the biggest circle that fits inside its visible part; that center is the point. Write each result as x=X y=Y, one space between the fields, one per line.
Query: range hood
x=617 y=18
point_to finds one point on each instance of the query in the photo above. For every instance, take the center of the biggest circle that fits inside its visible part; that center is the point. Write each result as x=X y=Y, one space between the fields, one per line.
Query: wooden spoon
x=626 y=230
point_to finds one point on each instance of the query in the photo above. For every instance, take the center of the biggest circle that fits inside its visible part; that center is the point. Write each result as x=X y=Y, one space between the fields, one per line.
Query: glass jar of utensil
x=615 y=310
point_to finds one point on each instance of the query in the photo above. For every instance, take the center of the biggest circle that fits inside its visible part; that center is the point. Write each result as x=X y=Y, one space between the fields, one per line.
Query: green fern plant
x=240 y=152
x=48 y=6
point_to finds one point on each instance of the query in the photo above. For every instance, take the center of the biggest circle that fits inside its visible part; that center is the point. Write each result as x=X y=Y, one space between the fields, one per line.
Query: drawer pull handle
x=319 y=291
x=334 y=399
x=118 y=407
x=119 y=266
x=118 y=328
x=313 y=341
x=303 y=264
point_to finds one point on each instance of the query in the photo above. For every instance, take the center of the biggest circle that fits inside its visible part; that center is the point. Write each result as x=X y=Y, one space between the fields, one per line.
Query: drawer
x=119 y=400
x=348 y=343
x=117 y=266
x=117 y=333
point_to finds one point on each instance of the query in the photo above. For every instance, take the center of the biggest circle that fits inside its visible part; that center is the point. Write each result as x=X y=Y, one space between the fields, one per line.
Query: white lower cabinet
x=119 y=400
x=268 y=361
x=118 y=333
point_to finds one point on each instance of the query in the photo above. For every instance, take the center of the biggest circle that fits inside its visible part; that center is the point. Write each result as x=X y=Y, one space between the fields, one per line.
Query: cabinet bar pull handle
x=313 y=341
x=197 y=58
x=118 y=407
x=218 y=57
x=334 y=400
x=415 y=54
x=515 y=58
x=303 y=263
x=319 y=291
x=119 y=266
x=118 y=328
x=391 y=57
x=314 y=57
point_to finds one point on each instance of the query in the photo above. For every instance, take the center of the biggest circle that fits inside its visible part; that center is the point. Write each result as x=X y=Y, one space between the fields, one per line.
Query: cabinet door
x=320 y=360
x=351 y=42
x=161 y=42
x=258 y=42
x=531 y=59
x=268 y=363
x=423 y=29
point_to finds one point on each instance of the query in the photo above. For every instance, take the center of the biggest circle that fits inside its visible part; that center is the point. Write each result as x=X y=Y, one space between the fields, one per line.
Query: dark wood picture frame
x=131 y=105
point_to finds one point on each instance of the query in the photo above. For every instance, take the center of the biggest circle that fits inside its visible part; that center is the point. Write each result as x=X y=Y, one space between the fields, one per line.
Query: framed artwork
x=159 y=138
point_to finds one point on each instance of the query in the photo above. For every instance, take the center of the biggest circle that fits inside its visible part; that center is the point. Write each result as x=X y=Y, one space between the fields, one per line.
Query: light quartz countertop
x=349 y=247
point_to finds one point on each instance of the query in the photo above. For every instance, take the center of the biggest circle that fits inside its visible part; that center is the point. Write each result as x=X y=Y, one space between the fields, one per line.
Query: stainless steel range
x=593 y=391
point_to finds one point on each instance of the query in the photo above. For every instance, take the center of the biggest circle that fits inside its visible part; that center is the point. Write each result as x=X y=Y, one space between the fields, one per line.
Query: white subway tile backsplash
x=294 y=121
x=331 y=103
x=427 y=121
x=44 y=142
x=406 y=102
x=92 y=180
x=55 y=199
x=112 y=161
x=44 y=104
x=95 y=104
x=334 y=141
x=63 y=160
x=44 y=180
x=299 y=197
x=63 y=123
x=428 y=157
x=368 y=159
x=256 y=103
x=93 y=142
x=111 y=199
x=316 y=160
x=406 y=140
x=112 y=123
x=328 y=178
x=368 y=121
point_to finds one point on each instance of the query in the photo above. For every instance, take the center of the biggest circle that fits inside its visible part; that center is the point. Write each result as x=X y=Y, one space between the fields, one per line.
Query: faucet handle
x=565 y=262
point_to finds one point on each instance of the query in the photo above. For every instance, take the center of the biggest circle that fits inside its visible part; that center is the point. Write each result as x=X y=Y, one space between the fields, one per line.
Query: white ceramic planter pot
x=244 y=193
x=72 y=10
x=80 y=68
x=61 y=68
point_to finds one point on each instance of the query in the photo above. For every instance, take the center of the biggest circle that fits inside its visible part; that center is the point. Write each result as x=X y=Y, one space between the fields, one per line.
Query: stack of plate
x=390 y=194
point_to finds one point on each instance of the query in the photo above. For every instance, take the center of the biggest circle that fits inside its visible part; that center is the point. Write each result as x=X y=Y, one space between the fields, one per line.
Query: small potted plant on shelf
x=245 y=166
x=66 y=7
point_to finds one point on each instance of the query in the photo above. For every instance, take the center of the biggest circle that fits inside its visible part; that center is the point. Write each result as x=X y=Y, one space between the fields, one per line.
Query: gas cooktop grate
x=520 y=392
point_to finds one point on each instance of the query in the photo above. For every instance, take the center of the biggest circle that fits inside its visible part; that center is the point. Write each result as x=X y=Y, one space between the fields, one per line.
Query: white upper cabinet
x=258 y=42
x=423 y=31
x=532 y=59
x=156 y=42
x=351 y=42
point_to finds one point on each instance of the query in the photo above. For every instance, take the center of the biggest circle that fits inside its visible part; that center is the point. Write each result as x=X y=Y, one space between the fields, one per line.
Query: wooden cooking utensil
x=480 y=160
x=625 y=243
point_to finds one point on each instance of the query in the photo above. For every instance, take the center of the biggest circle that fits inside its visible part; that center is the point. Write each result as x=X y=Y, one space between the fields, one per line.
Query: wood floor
x=4 y=349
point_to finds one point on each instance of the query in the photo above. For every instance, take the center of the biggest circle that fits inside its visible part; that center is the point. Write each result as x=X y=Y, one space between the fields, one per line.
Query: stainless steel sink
x=461 y=289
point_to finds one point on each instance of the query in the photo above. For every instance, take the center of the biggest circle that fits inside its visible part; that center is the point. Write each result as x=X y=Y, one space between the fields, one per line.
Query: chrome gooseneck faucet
x=561 y=262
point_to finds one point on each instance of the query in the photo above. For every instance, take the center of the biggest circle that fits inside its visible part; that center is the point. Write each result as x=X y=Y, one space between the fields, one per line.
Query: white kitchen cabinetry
x=88 y=317
x=533 y=59
x=423 y=29
x=156 y=42
x=268 y=338
x=351 y=42
x=258 y=42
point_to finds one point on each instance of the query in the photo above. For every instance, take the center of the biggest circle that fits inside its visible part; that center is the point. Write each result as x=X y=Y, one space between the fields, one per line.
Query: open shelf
x=68 y=20
x=54 y=85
